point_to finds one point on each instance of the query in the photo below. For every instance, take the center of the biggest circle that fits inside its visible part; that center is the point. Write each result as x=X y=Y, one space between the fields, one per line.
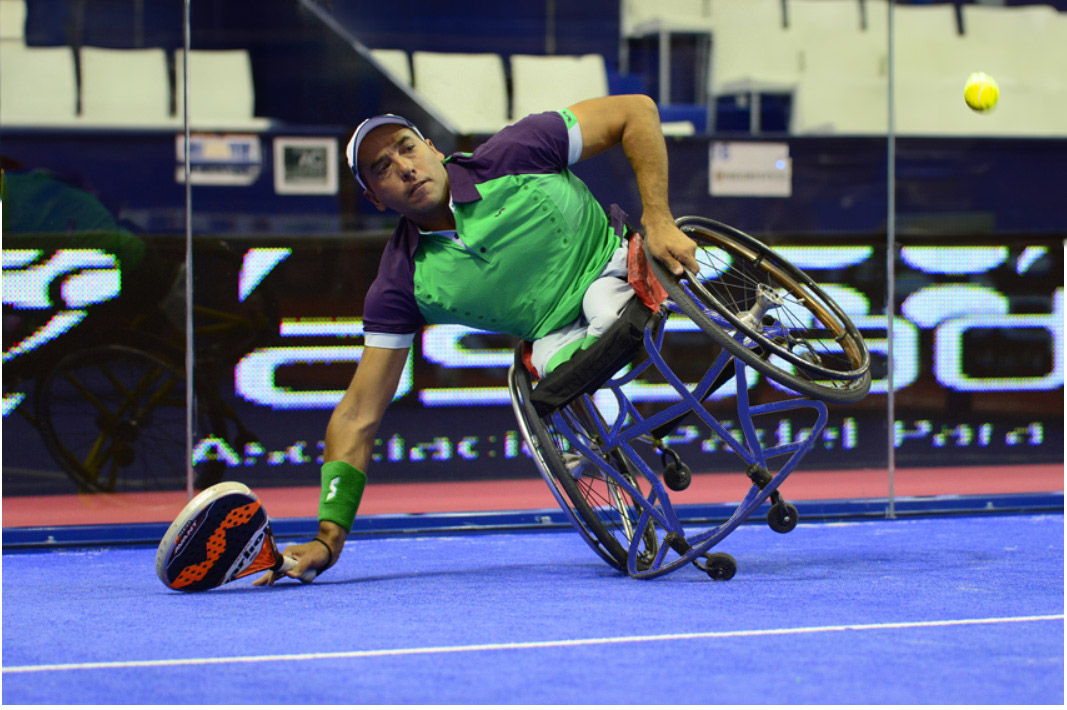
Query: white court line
x=523 y=645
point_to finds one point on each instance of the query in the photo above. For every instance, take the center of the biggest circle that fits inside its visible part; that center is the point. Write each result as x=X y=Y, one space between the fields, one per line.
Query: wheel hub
x=767 y=299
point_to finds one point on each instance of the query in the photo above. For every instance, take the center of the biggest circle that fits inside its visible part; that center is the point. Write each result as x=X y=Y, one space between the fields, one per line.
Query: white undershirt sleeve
x=389 y=341
x=574 y=137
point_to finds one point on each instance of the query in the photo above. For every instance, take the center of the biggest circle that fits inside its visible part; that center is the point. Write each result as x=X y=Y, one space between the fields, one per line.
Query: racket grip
x=288 y=563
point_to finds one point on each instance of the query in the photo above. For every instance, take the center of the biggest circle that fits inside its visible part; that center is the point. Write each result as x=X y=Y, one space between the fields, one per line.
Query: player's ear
x=374 y=200
x=434 y=149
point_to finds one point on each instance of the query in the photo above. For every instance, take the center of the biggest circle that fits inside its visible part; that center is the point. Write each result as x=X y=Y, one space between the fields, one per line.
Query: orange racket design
x=221 y=535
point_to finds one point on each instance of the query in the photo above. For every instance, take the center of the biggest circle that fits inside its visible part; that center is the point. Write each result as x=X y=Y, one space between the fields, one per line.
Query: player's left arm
x=633 y=122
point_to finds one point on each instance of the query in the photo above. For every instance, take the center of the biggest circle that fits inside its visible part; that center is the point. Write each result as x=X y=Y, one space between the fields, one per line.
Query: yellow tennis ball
x=981 y=92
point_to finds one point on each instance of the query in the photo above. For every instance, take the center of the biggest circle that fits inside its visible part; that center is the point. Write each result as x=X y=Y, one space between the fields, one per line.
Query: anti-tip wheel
x=677 y=476
x=720 y=566
x=782 y=517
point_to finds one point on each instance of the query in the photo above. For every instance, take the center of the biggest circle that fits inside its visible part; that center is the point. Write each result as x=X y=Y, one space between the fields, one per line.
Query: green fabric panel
x=564 y=354
x=568 y=118
x=536 y=243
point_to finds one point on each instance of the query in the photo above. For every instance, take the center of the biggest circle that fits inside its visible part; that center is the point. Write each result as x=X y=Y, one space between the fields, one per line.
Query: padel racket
x=221 y=535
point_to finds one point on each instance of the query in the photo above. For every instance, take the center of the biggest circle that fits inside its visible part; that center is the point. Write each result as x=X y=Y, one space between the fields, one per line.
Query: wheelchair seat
x=587 y=370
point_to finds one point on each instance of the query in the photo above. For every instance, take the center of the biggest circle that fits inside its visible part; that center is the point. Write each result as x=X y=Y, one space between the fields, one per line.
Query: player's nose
x=406 y=167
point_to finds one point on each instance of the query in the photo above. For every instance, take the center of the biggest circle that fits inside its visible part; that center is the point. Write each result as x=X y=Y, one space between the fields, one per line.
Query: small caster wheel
x=782 y=517
x=676 y=475
x=720 y=566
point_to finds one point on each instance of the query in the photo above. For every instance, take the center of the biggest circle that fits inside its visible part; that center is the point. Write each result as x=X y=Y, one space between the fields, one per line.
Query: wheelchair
x=607 y=461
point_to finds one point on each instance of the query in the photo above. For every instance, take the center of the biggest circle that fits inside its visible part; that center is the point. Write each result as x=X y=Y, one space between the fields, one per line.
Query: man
x=505 y=239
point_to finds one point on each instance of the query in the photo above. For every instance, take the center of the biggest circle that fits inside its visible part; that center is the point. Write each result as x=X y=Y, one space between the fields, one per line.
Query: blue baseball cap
x=364 y=129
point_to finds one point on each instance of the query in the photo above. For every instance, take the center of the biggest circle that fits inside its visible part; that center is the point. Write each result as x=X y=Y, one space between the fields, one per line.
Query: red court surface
x=533 y=494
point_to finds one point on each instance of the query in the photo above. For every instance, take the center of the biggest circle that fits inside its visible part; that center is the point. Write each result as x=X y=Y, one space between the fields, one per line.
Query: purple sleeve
x=537 y=144
x=390 y=304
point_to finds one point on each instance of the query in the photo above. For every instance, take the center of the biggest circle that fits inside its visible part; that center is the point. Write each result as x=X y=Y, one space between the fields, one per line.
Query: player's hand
x=309 y=555
x=672 y=247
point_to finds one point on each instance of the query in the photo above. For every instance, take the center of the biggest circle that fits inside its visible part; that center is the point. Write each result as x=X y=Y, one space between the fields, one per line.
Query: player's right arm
x=349 y=440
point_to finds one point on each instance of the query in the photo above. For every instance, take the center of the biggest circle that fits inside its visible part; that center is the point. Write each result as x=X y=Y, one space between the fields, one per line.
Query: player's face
x=403 y=173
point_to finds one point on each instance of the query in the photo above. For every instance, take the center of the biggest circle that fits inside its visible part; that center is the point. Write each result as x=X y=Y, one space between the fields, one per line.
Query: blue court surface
x=938 y=610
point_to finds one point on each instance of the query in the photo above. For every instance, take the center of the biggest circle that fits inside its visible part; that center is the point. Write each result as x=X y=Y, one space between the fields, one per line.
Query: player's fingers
x=683 y=262
x=665 y=254
x=266 y=580
x=302 y=567
x=685 y=249
x=672 y=264
x=690 y=261
x=676 y=251
x=297 y=567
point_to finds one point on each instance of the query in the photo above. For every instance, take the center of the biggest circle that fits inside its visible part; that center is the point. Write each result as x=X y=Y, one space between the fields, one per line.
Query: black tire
x=782 y=517
x=720 y=566
x=803 y=339
x=605 y=512
x=113 y=417
x=676 y=474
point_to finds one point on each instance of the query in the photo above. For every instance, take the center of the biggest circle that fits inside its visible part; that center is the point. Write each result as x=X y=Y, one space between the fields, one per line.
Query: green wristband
x=342 y=489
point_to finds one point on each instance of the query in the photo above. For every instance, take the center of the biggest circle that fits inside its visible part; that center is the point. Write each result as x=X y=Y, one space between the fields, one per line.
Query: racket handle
x=288 y=563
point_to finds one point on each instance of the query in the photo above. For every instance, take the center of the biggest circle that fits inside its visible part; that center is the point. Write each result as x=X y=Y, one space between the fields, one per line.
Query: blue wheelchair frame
x=629 y=425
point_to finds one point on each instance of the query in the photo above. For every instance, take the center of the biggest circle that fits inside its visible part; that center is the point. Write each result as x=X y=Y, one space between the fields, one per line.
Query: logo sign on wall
x=740 y=169
x=305 y=166
x=235 y=160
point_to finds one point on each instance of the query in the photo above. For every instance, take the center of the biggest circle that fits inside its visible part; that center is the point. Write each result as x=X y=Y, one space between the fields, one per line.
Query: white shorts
x=603 y=302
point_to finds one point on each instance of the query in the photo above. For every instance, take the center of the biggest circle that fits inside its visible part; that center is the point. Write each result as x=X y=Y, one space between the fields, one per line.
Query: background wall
x=95 y=219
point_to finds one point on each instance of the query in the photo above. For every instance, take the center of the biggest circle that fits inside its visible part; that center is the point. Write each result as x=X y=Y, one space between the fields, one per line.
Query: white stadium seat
x=125 y=86
x=468 y=90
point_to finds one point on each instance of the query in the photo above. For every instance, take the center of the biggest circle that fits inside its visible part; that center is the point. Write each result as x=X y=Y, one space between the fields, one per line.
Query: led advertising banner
x=94 y=383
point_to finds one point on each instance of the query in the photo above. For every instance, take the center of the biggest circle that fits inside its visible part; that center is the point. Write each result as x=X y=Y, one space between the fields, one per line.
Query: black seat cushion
x=587 y=370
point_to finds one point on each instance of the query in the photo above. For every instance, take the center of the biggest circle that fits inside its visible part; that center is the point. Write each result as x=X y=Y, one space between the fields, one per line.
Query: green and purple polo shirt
x=529 y=240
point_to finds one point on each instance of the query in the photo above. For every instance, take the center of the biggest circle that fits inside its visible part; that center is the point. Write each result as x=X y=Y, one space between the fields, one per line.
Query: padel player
x=505 y=239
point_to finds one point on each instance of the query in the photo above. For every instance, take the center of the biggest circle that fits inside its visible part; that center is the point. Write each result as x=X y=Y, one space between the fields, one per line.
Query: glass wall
x=93 y=241
x=979 y=233
x=153 y=189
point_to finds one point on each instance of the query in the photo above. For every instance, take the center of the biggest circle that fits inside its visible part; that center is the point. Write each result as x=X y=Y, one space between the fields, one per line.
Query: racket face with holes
x=221 y=534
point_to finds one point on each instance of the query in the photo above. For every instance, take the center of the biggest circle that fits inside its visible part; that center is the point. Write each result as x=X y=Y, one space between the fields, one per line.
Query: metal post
x=891 y=253
x=190 y=401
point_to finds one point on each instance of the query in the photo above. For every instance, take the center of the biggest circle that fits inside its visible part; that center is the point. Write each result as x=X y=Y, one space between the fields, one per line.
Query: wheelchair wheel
x=768 y=313
x=604 y=512
x=113 y=416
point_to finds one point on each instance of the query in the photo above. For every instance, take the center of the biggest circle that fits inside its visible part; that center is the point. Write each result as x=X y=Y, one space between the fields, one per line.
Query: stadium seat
x=39 y=85
x=1009 y=43
x=751 y=51
x=469 y=91
x=843 y=84
x=12 y=20
x=831 y=16
x=926 y=42
x=637 y=15
x=221 y=91
x=842 y=106
x=550 y=82
x=396 y=62
x=125 y=87
x=751 y=54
